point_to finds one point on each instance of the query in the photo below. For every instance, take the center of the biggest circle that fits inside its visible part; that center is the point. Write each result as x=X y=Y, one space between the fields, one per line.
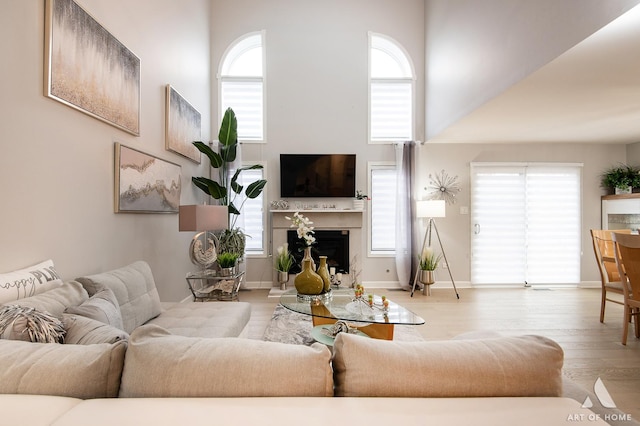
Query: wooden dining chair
x=603 y=247
x=627 y=256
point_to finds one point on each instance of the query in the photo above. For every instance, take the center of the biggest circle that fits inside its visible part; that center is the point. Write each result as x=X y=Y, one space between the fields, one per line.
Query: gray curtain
x=405 y=264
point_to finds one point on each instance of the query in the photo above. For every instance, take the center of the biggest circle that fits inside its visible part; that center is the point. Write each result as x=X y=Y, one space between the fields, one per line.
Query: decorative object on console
x=430 y=209
x=88 y=69
x=443 y=187
x=145 y=183
x=280 y=205
x=182 y=126
x=227 y=188
x=203 y=218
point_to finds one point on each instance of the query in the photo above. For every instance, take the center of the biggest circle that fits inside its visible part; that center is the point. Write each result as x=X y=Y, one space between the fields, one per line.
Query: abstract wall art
x=182 y=126
x=88 y=69
x=145 y=183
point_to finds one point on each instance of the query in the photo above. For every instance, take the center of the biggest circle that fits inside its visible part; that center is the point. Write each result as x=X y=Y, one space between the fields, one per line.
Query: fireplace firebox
x=331 y=243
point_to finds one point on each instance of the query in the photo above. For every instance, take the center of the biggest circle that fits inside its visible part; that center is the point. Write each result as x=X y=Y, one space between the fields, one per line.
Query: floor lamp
x=430 y=209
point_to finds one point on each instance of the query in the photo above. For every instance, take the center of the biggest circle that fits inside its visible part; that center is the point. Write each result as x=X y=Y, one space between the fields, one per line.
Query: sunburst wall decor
x=442 y=186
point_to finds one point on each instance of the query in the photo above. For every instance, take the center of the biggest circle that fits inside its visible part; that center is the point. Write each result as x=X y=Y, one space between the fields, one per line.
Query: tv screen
x=317 y=175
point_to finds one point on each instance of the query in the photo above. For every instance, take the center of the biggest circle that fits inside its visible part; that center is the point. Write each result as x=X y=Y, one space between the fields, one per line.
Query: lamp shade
x=202 y=217
x=430 y=208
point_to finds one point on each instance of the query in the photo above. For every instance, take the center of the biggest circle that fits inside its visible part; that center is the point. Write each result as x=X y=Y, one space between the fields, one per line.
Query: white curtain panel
x=404 y=166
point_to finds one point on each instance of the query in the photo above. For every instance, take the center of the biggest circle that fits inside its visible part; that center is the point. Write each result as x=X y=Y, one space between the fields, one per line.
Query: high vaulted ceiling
x=590 y=94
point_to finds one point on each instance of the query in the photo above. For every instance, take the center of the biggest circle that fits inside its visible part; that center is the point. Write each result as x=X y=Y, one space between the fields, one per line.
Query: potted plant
x=358 y=203
x=428 y=264
x=226 y=188
x=283 y=263
x=227 y=262
x=622 y=179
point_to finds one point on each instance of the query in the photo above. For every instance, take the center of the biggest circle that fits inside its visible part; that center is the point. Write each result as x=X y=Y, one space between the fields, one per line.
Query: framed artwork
x=182 y=126
x=88 y=69
x=145 y=183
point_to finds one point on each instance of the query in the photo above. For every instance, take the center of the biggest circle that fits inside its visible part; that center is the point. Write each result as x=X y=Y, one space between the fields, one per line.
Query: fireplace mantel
x=321 y=218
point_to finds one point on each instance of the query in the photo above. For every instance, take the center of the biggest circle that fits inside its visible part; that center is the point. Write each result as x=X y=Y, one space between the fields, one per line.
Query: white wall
x=56 y=164
x=317 y=87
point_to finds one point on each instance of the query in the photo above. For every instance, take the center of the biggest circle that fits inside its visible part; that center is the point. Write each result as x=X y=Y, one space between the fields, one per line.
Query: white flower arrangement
x=304 y=228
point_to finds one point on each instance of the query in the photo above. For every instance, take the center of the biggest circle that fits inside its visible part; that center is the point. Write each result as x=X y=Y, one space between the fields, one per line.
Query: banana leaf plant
x=226 y=188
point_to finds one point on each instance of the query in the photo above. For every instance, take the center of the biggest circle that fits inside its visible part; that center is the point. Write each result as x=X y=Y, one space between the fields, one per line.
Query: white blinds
x=251 y=218
x=383 y=209
x=391 y=110
x=246 y=99
x=526 y=224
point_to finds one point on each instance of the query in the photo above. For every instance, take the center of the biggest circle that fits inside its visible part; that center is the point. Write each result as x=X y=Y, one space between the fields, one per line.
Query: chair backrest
x=627 y=255
x=603 y=247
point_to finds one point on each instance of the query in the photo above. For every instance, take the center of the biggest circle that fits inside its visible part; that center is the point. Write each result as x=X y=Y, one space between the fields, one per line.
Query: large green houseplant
x=621 y=177
x=227 y=188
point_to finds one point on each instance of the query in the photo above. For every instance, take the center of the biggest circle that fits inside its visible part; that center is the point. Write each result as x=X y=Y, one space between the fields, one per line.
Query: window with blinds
x=526 y=221
x=382 y=209
x=251 y=218
x=241 y=80
x=391 y=86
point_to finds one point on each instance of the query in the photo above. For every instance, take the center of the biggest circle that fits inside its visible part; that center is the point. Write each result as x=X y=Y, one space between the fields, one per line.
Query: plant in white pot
x=227 y=188
x=361 y=197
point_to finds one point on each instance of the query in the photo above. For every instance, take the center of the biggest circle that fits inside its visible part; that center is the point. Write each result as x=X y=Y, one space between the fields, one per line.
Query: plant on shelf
x=227 y=188
x=227 y=260
x=429 y=260
x=361 y=196
x=621 y=177
x=284 y=259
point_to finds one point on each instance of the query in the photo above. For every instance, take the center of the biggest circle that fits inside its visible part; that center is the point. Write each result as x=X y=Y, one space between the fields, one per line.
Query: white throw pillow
x=28 y=282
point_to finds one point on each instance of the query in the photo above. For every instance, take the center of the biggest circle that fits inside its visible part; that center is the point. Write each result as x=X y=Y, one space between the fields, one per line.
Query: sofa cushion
x=135 y=291
x=30 y=325
x=80 y=371
x=102 y=307
x=56 y=300
x=159 y=364
x=504 y=366
x=211 y=319
x=86 y=331
x=29 y=281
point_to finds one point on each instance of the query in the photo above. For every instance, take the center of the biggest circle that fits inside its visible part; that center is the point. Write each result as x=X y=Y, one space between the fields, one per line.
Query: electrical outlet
x=464 y=210
x=444 y=265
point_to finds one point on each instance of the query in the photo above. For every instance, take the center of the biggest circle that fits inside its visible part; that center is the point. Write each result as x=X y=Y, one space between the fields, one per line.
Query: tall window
x=251 y=218
x=382 y=212
x=526 y=223
x=241 y=79
x=391 y=89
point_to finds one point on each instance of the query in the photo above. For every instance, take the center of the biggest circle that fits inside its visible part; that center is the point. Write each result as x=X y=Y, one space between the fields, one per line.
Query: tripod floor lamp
x=430 y=209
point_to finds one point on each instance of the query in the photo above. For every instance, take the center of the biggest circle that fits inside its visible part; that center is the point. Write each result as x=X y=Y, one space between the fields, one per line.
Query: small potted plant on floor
x=428 y=263
x=284 y=261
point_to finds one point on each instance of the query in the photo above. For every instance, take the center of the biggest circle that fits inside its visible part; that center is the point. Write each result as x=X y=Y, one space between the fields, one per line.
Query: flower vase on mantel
x=323 y=271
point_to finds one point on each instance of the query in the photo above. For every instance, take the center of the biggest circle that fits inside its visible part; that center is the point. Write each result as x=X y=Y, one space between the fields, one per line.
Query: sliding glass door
x=526 y=222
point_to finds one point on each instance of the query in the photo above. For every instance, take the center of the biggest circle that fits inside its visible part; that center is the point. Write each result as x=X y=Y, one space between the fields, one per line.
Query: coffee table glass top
x=343 y=305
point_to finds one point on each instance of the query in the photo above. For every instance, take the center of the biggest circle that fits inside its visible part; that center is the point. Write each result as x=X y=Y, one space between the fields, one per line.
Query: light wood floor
x=568 y=316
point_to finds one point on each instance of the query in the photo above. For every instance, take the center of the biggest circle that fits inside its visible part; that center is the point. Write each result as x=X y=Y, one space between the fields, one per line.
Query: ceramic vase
x=323 y=271
x=307 y=282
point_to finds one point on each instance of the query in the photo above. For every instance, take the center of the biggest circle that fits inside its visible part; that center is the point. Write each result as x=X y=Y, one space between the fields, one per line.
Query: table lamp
x=203 y=218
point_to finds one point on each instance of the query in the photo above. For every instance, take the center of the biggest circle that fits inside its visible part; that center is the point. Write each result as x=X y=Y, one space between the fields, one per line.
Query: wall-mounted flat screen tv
x=317 y=175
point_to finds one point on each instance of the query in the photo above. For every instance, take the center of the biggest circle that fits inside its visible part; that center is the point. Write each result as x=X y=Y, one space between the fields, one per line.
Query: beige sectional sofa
x=147 y=363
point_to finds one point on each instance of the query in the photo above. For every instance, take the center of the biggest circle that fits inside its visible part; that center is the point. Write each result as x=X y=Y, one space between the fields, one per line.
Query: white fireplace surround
x=323 y=219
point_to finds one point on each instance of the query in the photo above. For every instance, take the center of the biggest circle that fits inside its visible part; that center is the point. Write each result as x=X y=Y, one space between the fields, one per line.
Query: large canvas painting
x=182 y=126
x=89 y=69
x=144 y=183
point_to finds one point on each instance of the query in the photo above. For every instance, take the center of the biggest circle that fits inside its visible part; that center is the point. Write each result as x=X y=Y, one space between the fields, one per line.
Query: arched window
x=241 y=78
x=391 y=91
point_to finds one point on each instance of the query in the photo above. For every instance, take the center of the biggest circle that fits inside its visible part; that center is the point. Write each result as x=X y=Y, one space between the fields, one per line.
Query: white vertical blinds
x=251 y=218
x=383 y=209
x=526 y=224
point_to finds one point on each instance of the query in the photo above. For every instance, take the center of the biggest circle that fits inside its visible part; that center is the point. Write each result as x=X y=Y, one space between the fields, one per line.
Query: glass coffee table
x=374 y=320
